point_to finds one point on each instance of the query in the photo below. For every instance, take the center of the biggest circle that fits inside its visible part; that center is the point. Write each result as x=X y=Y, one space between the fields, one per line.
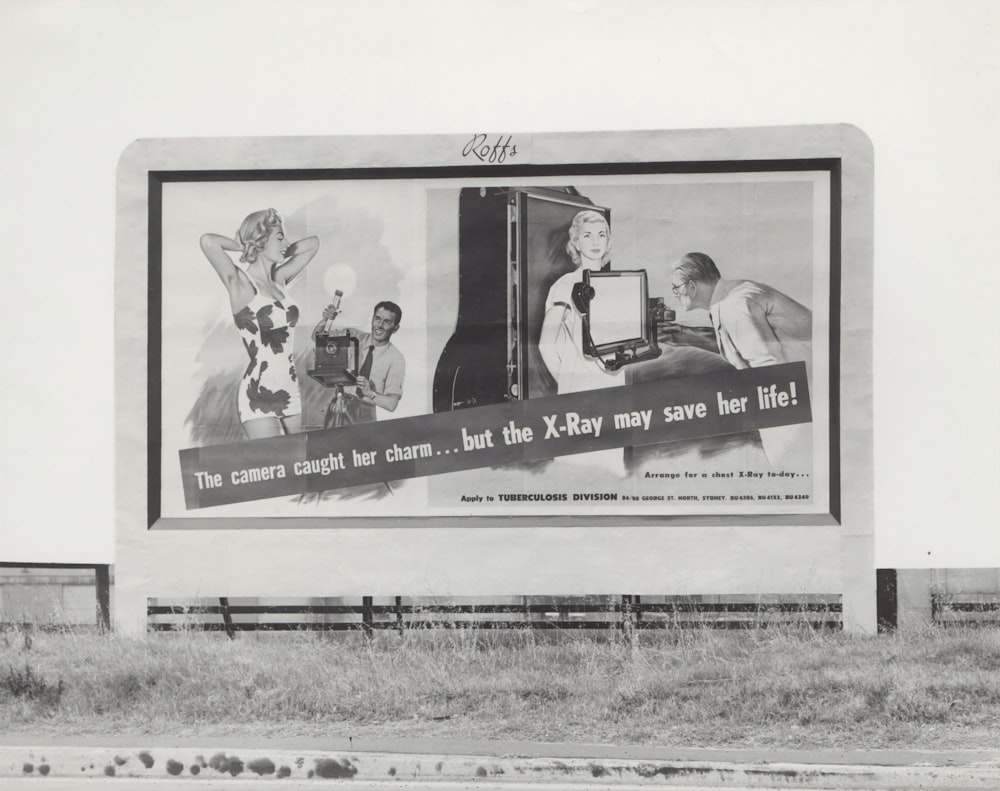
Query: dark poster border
x=157 y=178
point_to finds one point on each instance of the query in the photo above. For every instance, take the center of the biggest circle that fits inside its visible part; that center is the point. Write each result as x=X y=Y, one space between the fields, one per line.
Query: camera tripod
x=337 y=413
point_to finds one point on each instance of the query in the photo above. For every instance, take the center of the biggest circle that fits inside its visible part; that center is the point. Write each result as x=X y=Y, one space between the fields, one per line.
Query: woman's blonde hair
x=586 y=216
x=255 y=231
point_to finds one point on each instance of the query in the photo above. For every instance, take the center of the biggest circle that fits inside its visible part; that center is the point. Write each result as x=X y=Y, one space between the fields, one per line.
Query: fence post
x=227 y=617
x=628 y=620
x=102 y=584
x=399 y=615
x=367 y=617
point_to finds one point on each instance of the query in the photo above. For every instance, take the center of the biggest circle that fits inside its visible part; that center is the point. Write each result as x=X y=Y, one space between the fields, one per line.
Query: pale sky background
x=82 y=80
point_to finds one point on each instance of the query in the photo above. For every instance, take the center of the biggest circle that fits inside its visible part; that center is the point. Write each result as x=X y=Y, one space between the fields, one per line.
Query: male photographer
x=382 y=366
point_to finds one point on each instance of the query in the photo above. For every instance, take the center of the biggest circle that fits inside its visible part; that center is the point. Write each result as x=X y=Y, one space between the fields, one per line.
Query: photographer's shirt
x=388 y=366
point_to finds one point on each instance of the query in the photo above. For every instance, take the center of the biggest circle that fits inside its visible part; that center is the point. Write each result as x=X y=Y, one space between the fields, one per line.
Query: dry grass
x=933 y=690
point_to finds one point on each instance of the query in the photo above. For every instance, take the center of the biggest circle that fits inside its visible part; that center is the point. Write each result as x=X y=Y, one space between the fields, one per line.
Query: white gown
x=576 y=371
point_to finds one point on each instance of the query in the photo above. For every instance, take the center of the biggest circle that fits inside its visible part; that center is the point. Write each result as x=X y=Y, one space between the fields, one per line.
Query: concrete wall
x=48 y=596
x=914 y=588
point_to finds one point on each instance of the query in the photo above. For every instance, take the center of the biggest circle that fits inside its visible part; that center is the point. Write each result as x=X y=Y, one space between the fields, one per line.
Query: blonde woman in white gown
x=561 y=340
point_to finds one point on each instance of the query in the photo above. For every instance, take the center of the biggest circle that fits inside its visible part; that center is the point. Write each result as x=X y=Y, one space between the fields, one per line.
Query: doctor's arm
x=750 y=332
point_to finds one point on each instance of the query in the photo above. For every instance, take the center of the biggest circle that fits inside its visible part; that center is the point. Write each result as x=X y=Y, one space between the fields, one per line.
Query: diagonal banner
x=531 y=430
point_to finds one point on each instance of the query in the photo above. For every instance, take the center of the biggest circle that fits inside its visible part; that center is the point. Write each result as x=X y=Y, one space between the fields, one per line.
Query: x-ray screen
x=618 y=308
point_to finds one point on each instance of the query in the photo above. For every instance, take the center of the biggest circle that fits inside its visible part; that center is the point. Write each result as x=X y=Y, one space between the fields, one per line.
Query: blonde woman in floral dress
x=268 y=402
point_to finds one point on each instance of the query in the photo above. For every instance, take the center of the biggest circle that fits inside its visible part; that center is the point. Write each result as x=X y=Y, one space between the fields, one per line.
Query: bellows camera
x=336 y=361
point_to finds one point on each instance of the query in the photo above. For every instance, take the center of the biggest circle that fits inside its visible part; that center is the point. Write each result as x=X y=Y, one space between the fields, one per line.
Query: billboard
x=458 y=356
x=507 y=396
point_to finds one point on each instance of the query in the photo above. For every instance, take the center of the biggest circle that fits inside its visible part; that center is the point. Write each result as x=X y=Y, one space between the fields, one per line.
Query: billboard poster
x=625 y=342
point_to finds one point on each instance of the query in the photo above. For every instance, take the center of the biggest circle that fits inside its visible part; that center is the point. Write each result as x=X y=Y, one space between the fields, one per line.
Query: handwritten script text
x=495 y=154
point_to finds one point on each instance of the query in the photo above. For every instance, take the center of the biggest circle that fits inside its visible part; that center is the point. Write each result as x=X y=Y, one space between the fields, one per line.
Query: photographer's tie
x=366 y=366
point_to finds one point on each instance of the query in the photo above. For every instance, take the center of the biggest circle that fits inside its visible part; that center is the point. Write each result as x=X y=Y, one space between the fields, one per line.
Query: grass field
x=936 y=689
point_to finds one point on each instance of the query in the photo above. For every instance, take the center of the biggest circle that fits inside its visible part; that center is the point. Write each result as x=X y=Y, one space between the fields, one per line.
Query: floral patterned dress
x=269 y=387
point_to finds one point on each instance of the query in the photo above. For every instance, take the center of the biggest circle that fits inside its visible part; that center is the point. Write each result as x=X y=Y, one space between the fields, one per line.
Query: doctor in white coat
x=755 y=325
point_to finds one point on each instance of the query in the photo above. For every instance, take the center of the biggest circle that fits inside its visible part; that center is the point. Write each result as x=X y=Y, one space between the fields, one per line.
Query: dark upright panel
x=886 y=601
x=511 y=249
x=472 y=368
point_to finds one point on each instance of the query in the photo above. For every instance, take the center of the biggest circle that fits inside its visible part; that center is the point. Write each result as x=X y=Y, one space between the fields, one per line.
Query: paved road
x=92 y=764
x=227 y=784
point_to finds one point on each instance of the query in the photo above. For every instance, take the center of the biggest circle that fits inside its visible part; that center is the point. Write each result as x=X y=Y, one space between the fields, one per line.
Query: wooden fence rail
x=611 y=613
x=965 y=609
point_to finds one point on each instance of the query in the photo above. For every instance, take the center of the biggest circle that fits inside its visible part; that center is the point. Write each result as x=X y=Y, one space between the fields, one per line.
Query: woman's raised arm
x=214 y=245
x=299 y=254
